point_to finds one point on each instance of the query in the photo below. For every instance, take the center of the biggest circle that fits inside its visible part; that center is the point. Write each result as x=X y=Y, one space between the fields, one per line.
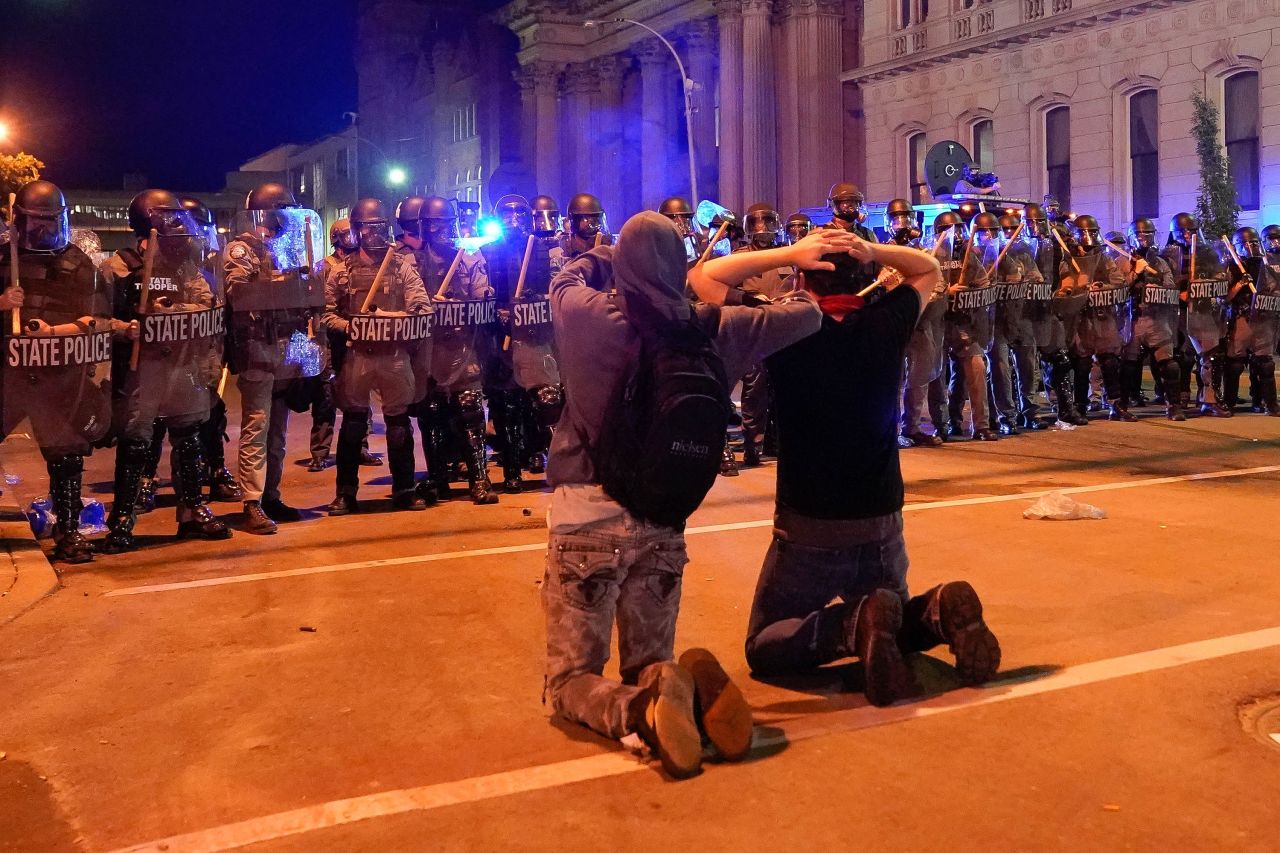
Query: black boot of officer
x=1116 y=392
x=433 y=421
x=1169 y=375
x=512 y=424
x=132 y=460
x=404 y=495
x=347 y=462
x=1264 y=368
x=1231 y=373
x=65 y=475
x=195 y=519
x=468 y=407
x=1057 y=371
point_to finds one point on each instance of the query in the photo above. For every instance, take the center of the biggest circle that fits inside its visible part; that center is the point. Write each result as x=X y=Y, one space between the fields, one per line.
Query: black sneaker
x=256 y=521
x=976 y=649
x=722 y=713
x=666 y=721
x=874 y=639
x=278 y=510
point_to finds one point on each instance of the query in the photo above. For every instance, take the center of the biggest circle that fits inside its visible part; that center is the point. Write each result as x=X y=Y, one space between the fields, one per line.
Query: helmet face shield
x=1271 y=238
x=343 y=239
x=763 y=227
x=797 y=230
x=848 y=207
x=546 y=222
x=587 y=225
x=515 y=219
x=683 y=223
x=1142 y=236
x=439 y=231
x=373 y=235
x=42 y=232
x=1248 y=243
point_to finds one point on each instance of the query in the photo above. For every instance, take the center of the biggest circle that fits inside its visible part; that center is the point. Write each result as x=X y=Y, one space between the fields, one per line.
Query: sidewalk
x=25 y=573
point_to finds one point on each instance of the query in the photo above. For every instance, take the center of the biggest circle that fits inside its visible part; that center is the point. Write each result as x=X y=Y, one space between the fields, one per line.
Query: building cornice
x=1003 y=39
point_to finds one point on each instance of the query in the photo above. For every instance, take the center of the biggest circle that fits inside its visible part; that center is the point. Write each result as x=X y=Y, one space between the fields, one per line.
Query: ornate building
x=526 y=97
x=1089 y=99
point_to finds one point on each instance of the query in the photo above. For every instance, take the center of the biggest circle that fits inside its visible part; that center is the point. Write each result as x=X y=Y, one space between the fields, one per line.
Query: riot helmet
x=798 y=227
x=586 y=216
x=1009 y=225
x=371 y=227
x=1248 y=242
x=1141 y=234
x=986 y=229
x=1182 y=228
x=516 y=216
x=948 y=222
x=341 y=238
x=440 y=221
x=845 y=201
x=1114 y=242
x=1053 y=209
x=900 y=221
x=546 y=215
x=1037 y=221
x=1271 y=238
x=177 y=231
x=408 y=213
x=41 y=218
x=205 y=219
x=1087 y=232
x=762 y=226
x=262 y=203
x=678 y=211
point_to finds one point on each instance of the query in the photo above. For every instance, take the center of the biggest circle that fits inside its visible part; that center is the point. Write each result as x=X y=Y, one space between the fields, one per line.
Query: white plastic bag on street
x=1056 y=506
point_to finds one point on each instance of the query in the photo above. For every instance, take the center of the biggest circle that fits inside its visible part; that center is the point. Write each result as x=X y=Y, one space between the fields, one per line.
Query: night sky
x=180 y=91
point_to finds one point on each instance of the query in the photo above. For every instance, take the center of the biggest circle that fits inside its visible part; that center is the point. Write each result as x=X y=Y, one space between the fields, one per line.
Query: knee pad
x=471 y=407
x=548 y=401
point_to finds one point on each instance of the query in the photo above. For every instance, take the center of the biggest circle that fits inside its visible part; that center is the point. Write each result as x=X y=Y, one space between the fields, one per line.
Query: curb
x=25 y=573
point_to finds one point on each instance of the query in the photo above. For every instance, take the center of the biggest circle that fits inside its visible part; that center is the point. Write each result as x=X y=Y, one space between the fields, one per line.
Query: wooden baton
x=144 y=299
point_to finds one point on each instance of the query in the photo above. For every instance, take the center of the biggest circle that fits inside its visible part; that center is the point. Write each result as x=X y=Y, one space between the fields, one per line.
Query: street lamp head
x=4 y=131
x=396 y=176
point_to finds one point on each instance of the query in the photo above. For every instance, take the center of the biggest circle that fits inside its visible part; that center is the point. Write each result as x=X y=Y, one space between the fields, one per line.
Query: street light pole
x=687 y=85
x=355 y=117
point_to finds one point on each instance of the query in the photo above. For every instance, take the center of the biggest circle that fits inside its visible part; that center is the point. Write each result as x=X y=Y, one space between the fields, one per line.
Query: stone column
x=759 y=109
x=607 y=148
x=788 y=62
x=729 y=18
x=542 y=129
x=580 y=85
x=819 y=96
x=701 y=38
x=655 y=136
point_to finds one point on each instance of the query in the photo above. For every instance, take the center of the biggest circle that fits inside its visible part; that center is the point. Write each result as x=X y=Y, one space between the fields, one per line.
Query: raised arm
x=711 y=280
x=919 y=269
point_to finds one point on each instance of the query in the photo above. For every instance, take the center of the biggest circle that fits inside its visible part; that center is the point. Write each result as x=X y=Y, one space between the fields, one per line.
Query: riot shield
x=460 y=323
x=1207 y=288
x=273 y=293
x=181 y=314
x=532 y=342
x=57 y=371
x=1110 y=317
x=971 y=309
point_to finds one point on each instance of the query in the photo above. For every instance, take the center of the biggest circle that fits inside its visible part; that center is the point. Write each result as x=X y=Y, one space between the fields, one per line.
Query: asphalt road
x=373 y=682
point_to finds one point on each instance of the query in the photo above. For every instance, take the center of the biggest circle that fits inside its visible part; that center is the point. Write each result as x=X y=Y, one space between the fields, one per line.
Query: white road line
x=692 y=531
x=541 y=777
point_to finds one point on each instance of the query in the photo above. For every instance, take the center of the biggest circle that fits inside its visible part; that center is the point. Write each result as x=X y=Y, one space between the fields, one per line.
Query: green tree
x=1216 y=205
x=17 y=170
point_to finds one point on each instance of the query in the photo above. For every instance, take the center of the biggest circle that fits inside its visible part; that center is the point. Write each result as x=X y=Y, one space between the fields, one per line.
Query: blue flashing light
x=491 y=228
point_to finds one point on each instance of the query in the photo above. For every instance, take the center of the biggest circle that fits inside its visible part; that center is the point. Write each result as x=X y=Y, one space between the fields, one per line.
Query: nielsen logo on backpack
x=682 y=447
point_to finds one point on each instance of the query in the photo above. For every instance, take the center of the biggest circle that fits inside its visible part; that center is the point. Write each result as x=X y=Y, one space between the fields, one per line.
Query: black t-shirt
x=837 y=398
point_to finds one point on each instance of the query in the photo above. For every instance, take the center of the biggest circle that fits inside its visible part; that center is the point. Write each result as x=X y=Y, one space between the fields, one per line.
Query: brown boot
x=723 y=714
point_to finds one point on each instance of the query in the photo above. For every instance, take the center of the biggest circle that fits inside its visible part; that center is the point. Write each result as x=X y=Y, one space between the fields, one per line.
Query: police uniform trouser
x=391 y=375
x=264 y=423
x=969 y=334
x=925 y=353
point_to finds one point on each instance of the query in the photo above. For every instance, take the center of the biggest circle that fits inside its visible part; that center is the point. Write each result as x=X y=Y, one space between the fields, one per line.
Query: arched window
x=915 y=159
x=984 y=144
x=1144 y=153
x=1240 y=121
x=1057 y=154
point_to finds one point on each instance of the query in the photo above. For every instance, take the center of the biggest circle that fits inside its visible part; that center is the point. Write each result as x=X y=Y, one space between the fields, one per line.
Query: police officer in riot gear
x=1203 y=281
x=926 y=390
x=1255 y=326
x=374 y=287
x=970 y=321
x=175 y=381
x=798 y=227
x=1155 y=319
x=1054 y=319
x=274 y=301
x=545 y=216
x=454 y=422
x=847 y=213
x=586 y=229
x=1104 y=321
x=1014 y=350
x=57 y=293
x=1271 y=240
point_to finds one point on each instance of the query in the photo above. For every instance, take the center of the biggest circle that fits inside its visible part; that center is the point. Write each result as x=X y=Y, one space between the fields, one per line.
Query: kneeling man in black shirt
x=838 y=521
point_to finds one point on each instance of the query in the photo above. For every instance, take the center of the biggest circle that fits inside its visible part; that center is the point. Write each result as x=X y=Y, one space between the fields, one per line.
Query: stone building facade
x=1091 y=98
x=559 y=108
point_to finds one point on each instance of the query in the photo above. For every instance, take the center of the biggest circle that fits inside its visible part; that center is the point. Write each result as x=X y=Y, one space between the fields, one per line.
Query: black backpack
x=663 y=434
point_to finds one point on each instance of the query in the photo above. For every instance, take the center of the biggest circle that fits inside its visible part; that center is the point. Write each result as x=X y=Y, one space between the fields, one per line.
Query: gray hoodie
x=598 y=343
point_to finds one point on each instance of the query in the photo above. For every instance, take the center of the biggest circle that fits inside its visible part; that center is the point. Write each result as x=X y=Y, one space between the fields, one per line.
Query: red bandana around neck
x=840 y=303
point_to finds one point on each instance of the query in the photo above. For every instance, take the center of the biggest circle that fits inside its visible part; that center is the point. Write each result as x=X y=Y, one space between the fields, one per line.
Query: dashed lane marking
x=692 y=531
x=541 y=777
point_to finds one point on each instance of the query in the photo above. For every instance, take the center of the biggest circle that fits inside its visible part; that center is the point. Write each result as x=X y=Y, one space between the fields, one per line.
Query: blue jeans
x=795 y=626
